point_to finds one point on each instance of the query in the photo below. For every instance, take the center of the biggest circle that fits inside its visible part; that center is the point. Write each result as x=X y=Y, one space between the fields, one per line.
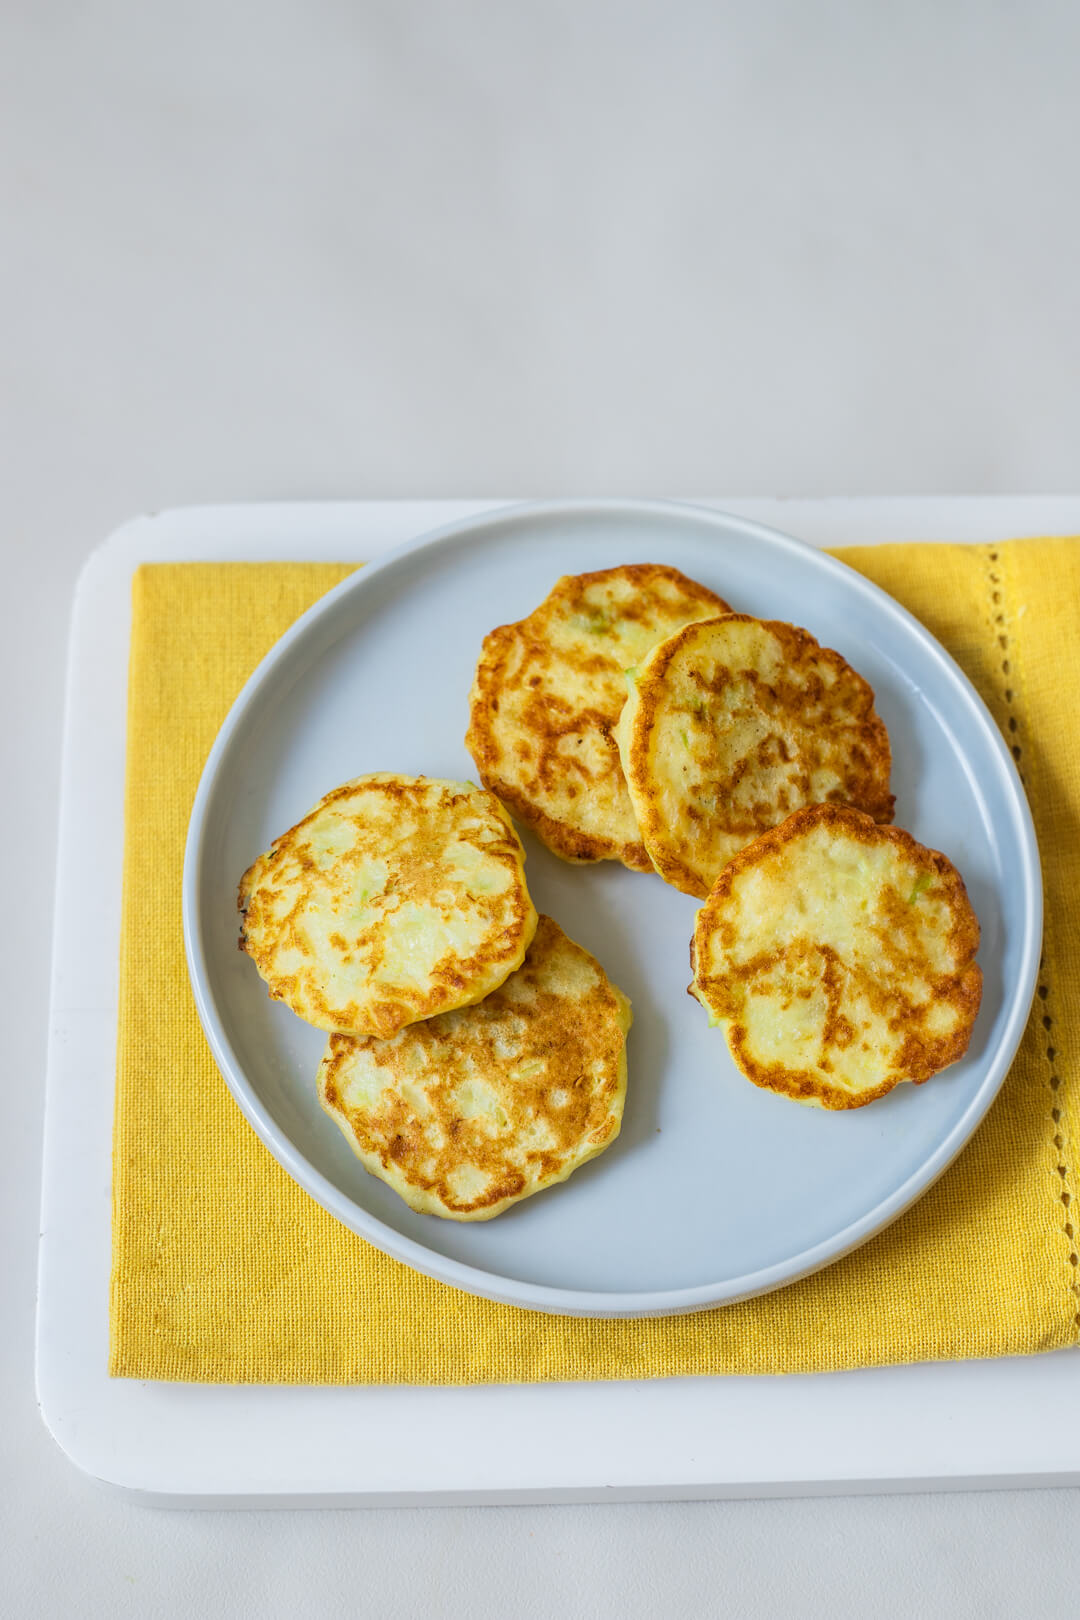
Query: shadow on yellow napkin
x=225 y=1271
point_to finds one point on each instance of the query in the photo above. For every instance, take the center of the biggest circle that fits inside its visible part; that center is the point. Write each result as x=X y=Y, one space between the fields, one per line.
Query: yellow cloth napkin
x=224 y=1270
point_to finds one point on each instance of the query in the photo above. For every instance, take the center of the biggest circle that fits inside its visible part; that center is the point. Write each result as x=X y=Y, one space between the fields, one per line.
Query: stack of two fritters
x=476 y=1054
x=633 y=716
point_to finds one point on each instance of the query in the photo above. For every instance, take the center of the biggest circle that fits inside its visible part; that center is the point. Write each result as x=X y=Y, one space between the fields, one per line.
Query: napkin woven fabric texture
x=225 y=1271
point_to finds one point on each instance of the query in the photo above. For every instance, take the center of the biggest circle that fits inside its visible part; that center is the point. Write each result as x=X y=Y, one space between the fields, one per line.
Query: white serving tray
x=965 y=1424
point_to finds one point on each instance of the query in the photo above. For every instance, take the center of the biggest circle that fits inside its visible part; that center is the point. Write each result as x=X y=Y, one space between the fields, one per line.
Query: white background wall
x=311 y=249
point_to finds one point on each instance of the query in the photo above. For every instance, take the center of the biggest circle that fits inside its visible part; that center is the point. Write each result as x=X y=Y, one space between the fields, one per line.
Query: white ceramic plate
x=714 y=1190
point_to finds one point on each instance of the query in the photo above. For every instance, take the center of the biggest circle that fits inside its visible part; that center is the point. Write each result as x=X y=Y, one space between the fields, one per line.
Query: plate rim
x=546 y=1298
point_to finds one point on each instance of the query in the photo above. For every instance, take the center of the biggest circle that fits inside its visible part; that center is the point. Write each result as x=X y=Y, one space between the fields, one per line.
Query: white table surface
x=404 y=249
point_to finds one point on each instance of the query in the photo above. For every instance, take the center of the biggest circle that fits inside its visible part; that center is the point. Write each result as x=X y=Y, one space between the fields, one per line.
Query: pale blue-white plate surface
x=714 y=1190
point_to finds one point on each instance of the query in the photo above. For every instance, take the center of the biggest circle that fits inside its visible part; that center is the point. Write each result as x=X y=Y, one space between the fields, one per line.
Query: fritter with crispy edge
x=547 y=694
x=730 y=725
x=840 y=958
x=396 y=898
x=472 y=1111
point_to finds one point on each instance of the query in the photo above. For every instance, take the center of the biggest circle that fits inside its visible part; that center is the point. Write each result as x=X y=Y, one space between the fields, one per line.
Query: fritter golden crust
x=840 y=957
x=731 y=724
x=548 y=692
x=396 y=898
x=474 y=1110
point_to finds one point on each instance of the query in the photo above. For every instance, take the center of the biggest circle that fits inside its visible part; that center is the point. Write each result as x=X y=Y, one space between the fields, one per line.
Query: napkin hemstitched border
x=1001 y=594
